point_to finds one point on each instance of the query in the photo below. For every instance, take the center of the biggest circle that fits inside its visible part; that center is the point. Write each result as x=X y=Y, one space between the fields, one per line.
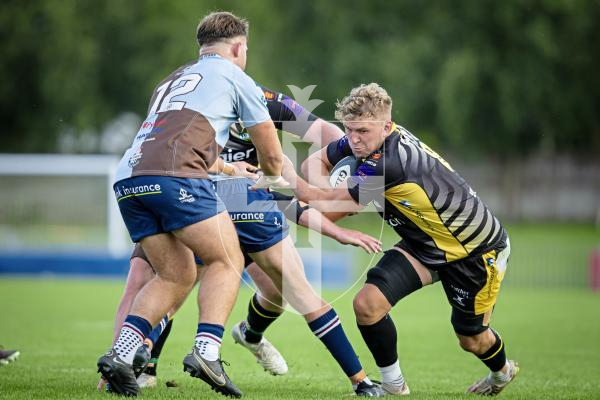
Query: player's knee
x=367 y=308
x=236 y=260
x=476 y=344
x=233 y=263
x=467 y=344
x=185 y=278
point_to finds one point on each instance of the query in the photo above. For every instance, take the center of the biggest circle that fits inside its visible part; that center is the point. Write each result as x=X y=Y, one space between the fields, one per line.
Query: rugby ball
x=342 y=170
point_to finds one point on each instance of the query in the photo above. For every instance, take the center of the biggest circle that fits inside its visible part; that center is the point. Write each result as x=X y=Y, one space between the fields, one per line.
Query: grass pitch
x=61 y=327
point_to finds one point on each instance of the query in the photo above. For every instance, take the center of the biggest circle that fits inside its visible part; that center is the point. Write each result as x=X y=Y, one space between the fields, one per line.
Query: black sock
x=381 y=339
x=495 y=357
x=258 y=320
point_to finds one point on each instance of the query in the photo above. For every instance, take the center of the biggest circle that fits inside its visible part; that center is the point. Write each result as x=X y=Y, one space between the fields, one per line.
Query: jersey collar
x=209 y=55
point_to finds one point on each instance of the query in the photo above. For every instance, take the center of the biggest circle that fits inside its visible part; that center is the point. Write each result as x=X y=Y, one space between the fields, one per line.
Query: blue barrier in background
x=67 y=264
x=334 y=269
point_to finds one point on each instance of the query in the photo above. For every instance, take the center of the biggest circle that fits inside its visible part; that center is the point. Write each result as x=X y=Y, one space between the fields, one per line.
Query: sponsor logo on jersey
x=269 y=95
x=394 y=222
x=150 y=127
x=366 y=170
x=277 y=223
x=135 y=159
x=231 y=155
x=418 y=213
x=185 y=197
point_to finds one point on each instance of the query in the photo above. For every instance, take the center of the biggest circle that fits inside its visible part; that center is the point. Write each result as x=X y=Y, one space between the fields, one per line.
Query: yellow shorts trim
x=486 y=297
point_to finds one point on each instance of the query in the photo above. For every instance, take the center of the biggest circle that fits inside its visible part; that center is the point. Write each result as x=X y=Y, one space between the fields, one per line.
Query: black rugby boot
x=118 y=373
x=211 y=372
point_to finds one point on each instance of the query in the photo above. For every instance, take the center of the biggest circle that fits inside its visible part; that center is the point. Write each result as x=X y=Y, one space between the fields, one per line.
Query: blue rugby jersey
x=189 y=117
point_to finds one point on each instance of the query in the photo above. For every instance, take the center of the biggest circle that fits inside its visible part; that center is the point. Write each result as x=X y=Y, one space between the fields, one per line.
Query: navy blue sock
x=133 y=332
x=329 y=329
x=158 y=330
x=158 y=345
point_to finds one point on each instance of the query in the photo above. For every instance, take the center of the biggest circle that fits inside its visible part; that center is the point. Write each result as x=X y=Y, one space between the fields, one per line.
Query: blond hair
x=220 y=25
x=365 y=101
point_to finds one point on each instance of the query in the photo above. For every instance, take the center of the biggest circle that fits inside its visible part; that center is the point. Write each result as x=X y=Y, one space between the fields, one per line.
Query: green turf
x=62 y=326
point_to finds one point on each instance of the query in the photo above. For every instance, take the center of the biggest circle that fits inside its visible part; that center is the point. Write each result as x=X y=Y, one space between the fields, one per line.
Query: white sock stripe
x=135 y=330
x=329 y=329
x=209 y=337
x=326 y=326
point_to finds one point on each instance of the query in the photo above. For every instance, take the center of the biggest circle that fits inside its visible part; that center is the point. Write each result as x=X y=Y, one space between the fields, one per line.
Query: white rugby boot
x=490 y=386
x=146 y=380
x=266 y=354
x=394 y=390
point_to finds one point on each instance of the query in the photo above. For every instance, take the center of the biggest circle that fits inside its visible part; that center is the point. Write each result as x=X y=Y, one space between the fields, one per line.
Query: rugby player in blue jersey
x=261 y=238
x=169 y=205
x=448 y=234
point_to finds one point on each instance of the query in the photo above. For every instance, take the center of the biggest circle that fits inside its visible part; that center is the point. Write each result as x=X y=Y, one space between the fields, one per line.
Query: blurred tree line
x=482 y=78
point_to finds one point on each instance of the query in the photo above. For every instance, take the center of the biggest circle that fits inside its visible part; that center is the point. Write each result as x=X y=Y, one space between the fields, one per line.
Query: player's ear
x=388 y=127
x=236 y=48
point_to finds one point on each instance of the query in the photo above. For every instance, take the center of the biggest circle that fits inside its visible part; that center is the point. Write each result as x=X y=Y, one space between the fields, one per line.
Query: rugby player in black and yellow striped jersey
x=448 y=234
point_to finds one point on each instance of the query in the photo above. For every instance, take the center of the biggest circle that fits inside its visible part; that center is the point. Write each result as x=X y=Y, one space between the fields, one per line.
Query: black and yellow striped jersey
x=437 y=214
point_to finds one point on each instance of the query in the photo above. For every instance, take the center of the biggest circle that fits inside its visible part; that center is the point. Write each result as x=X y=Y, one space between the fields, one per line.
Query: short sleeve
x=287 y=114
x=338 y=150
x=251 y=104
x=367 y=184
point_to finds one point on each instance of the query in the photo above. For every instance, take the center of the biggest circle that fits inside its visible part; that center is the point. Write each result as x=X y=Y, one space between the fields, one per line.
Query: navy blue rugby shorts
x=258 y=221
x=158 y=204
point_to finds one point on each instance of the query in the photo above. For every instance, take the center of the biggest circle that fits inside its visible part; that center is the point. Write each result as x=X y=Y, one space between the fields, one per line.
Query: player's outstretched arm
x=238 y=168
x=316 y=169
x=322 y=133
x=332 y=203
x=313 y=219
